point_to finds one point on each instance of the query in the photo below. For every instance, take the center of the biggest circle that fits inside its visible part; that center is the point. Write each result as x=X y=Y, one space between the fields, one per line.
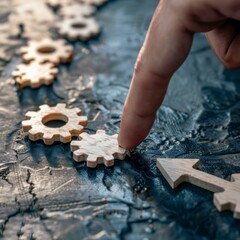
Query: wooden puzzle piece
x=37 y=130
x=79 y=28
x=47 y=50
x=99 y=148
x=226 y=193
x=77 y=10
x=35 y=74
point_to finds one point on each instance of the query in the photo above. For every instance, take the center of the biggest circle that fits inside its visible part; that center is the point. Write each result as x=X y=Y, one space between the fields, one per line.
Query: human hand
x=166 y=46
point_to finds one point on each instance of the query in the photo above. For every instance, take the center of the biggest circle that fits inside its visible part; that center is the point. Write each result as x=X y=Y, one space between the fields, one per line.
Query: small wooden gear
x=47 y=50
x=37 y=130
x=35 y=74
x=99 y=148
x=94 y=2
x=79 y=28
x=77 y=9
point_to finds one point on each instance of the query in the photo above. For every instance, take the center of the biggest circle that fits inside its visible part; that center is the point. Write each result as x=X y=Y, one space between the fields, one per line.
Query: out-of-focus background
x=45 y=195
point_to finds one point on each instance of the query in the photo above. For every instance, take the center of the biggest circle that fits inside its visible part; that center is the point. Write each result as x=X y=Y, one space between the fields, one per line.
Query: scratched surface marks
x=45 y=195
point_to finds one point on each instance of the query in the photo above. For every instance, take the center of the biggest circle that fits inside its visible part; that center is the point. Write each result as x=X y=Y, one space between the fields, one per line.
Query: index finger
x=165 y=48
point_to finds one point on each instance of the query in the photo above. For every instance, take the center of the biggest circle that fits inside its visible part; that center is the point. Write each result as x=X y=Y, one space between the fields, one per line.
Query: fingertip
x=134 y=129
x=125 y=142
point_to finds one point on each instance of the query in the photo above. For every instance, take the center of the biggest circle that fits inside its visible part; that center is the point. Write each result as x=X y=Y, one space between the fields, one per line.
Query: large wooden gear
x=35 y=74
x=36 y=129
x=99 y=148
x=47 y=50
x=79 y=28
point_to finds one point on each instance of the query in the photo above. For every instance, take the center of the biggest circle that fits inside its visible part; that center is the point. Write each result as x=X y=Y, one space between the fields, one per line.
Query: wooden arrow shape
x=226 y=193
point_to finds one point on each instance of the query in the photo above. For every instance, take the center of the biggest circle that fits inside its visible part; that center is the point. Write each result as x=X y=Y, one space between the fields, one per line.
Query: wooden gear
x=77 y=9
x=37 y=130
x=99 y=148
x=79 y=28
x=35 y=74
x=47 y=50
x=226 y=193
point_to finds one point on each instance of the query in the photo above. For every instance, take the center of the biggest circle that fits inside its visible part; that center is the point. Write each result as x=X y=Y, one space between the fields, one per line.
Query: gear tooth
x=35 y=134
x=47 y=135
x=23 y=49
x=69 y=49
x=76 y=131
x=74 y=145
x=16 y=73
x=26 y=125
x=49 y=141
x=120 y=153
x=47 y=82
x=33 y=84
x=54 y=71
x=44 y=107
x=101 y=132
x=76 y=110
x=65 y=137
x=83 y=135
x=92 y=161
x=31 y=114
x=27 y=57
x=61 y=42
x=46 y=41
x=83 y=120
x=79 y=156
x=115 y=136
x=108 y=161
x=61 y=106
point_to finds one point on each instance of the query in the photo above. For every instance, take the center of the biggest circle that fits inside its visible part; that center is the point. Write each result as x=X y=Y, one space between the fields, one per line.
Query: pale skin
x=166 y=46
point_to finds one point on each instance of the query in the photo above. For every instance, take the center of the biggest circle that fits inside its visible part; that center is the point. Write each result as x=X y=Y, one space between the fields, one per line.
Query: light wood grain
x=36 y=129
x=98 y=148
x=226 y=193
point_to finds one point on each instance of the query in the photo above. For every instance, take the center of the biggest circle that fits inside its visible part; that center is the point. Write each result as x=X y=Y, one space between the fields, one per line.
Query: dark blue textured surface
x=45 y=195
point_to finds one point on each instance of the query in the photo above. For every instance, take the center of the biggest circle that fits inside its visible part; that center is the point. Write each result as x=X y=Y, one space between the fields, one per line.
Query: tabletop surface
x=45 y=195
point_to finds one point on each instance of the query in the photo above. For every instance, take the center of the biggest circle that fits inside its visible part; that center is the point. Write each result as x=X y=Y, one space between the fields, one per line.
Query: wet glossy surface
x=45 y=195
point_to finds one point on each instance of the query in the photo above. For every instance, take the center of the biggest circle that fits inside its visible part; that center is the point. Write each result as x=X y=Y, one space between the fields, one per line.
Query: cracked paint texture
x=45 y=195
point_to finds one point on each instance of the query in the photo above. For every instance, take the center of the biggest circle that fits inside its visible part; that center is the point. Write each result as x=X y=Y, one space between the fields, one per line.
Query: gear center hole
x=79 y=25
x=55 y=120
x=46 y=49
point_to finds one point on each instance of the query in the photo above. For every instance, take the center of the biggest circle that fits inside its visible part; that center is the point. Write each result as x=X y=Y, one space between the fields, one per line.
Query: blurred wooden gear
x=79 y=28
x=35 y=74
x=77 y=10
x=47 y=50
